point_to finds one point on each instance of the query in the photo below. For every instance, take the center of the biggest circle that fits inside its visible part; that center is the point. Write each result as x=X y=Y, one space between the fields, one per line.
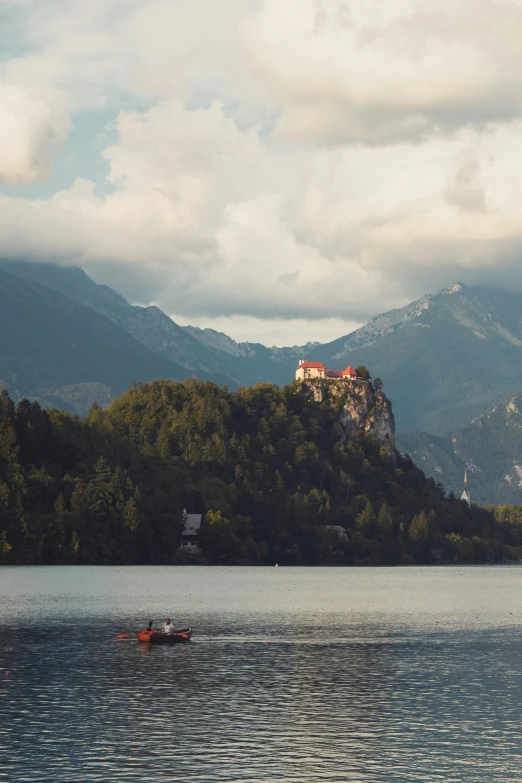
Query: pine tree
x=75 y=545
x=384 y=521
x=60 y=507
x=5 y=547
x=365 y=520
x=130 y=515
x=418 y=530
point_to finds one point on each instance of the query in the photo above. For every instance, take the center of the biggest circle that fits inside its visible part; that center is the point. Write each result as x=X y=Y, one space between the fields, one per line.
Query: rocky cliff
x=431 y=354
x=361 y=407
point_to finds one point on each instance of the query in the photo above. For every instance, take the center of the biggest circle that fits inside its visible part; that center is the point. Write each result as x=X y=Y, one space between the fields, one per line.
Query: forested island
x=275 y=473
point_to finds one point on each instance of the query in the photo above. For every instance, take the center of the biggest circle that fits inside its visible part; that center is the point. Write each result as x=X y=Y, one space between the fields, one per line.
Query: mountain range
x=489 y=448
x=64 y=354
x=201 y=352
x=446 y=360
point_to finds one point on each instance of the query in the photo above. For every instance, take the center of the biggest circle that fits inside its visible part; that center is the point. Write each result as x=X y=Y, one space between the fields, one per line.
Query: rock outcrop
x=362 y=407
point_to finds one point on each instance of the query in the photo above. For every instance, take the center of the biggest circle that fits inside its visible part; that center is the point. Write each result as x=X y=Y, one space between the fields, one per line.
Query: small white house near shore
x=340 y=531
x=190 y=535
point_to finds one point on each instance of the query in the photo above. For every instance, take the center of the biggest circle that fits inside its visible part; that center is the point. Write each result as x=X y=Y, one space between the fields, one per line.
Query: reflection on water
x=293 y=675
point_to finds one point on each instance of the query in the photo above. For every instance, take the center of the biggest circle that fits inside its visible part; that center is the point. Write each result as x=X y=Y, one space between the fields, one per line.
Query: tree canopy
x=263 y=465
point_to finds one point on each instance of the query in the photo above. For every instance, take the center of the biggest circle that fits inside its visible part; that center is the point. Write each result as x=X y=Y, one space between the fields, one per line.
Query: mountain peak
x=452 y=289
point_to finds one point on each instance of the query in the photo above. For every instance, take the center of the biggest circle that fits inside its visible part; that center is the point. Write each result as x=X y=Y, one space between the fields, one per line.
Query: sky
x=280 y=170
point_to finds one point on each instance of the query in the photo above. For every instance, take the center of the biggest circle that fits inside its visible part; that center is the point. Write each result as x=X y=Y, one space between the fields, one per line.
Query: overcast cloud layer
x=278 y=169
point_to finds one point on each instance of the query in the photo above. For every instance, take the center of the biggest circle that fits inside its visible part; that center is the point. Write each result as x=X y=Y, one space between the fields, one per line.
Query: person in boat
x=168 y=627
x=150 y=629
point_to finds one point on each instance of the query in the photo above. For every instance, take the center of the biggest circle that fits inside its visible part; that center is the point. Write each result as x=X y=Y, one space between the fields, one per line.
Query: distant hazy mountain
x=252 y=362
x=490 y=447
x=444 y=359
x=65 y=354
x=149 y=325
x=205 y=352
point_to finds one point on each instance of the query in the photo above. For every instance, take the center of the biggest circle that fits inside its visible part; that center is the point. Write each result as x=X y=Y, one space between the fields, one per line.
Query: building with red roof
x=308 y=370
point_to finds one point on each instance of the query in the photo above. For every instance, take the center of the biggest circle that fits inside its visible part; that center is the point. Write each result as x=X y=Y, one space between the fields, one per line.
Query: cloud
x=367 y=72
x=273 y=162
x=275 y=332
x=31 y=127
x=102 y=52
x=465 y=188
x=207 y=220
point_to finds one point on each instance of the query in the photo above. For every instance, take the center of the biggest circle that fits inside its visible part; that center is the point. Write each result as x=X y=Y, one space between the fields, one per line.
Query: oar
x=122 y=635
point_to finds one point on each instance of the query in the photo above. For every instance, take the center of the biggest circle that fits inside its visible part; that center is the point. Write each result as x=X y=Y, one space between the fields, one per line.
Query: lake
x=293 y=674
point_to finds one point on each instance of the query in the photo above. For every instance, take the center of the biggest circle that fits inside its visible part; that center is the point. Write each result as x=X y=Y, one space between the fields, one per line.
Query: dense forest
x=263 y=465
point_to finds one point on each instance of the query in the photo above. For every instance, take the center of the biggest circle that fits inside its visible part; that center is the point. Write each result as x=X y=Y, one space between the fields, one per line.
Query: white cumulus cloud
x=31 y=126
x=364 y=71
x=272 y=162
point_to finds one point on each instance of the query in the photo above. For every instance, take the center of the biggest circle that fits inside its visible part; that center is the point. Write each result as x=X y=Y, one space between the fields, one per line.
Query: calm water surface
x=294 y=674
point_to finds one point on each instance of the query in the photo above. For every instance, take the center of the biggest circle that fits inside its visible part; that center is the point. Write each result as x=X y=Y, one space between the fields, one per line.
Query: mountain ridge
x=203 y=352
x=444 y=358
x=489 y=448
x=148 y=325
x=58 y=351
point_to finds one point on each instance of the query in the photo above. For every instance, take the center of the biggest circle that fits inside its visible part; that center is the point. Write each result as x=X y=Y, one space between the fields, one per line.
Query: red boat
x=157 y=637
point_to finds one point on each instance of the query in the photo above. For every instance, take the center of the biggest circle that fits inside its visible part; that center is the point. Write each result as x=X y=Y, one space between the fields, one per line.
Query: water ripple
x=380 y=691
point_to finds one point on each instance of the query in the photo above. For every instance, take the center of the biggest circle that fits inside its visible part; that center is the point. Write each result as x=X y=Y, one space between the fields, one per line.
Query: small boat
x=157 y=637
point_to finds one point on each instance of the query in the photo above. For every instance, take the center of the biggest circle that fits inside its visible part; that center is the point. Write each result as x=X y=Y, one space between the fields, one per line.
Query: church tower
x=465 y=495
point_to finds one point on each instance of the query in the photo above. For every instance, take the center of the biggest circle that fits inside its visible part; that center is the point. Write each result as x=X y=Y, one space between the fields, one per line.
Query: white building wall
x=302 y=373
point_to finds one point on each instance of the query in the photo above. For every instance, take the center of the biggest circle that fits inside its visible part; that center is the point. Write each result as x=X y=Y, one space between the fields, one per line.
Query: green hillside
x=264 y=465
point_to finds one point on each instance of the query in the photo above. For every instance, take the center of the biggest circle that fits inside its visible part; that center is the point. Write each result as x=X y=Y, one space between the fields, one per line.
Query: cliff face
x=363 y=408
